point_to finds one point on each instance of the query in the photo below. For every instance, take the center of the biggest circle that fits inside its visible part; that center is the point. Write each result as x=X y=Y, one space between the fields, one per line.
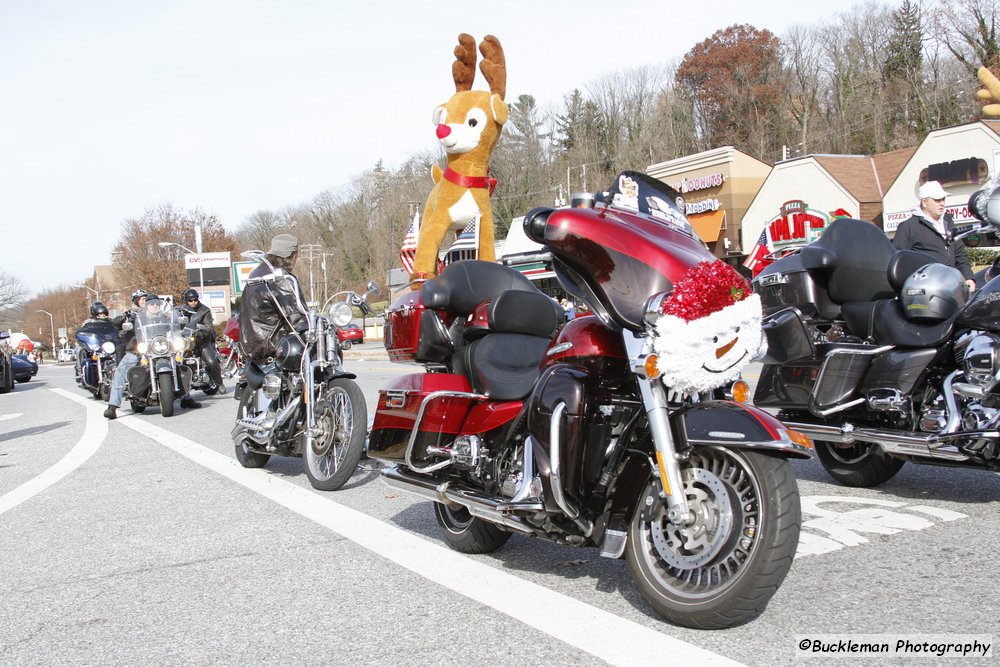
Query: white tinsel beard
x=688 y=350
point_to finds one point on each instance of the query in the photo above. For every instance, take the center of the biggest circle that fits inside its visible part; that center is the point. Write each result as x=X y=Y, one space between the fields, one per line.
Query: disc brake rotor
x=693 y=546
x=325 y=430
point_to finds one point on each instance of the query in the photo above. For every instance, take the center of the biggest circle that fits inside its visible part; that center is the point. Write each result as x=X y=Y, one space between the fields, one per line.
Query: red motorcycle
x=230 y=357
x=599 y=432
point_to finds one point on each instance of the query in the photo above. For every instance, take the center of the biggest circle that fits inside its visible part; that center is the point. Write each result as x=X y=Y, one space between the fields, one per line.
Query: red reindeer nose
x=443 y=131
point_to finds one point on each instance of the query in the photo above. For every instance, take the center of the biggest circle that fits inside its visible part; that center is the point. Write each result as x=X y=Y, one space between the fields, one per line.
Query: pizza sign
x=796 y=225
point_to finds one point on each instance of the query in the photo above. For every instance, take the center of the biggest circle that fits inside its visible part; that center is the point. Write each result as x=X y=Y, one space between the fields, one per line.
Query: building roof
x=866 y=177
x=106 y=277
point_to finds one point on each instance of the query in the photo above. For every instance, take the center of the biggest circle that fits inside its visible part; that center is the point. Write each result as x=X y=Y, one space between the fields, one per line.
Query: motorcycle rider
x=98 y=313
x=930 y=230
x=273 y=303
x=204 y=339
x=128 y=359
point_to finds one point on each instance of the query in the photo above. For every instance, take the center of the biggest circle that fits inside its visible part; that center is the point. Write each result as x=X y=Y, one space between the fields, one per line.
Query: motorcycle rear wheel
x=247 y=458
x=342 y=419
x=859 y=464
x=166 y=384
x=466 y=533
x=721 y=571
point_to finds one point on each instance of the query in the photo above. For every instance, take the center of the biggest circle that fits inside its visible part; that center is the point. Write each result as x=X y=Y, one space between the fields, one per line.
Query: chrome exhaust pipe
x=931 y=445
x=478 y=504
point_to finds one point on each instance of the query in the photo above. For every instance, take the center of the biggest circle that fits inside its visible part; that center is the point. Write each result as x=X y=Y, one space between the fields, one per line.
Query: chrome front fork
x=654 y=399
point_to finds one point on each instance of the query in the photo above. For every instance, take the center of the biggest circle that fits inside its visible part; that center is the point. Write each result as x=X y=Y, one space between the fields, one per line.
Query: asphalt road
x=141 y=541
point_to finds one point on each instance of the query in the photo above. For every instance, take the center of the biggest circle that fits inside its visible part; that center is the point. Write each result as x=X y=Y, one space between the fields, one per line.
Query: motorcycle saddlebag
x=787 y=283
x=787 y=338
x=399 y=406
x=414 y=332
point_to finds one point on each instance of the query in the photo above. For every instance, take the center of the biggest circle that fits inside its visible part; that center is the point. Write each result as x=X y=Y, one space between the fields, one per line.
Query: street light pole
x=97 y=296
x=201 y=270
x=52 y=328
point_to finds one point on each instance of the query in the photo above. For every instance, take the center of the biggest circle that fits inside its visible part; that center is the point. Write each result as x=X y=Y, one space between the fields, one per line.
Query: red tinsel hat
x=705 y=289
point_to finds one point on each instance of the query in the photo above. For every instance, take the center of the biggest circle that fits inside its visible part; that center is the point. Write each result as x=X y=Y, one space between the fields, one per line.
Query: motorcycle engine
x=981 y=361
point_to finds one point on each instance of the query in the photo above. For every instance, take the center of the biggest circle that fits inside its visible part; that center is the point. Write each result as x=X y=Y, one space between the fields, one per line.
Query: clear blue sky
x=107 y=108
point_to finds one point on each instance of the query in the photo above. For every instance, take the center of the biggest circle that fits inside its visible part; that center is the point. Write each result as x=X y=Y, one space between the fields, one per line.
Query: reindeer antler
x=463 y=70
x=494 y=66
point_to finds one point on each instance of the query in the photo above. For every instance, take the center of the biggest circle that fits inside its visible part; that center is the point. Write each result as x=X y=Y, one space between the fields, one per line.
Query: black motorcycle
x=201 y=379
x=160 y=375
x=96 y=340
x=303 y=402
x=879 y=356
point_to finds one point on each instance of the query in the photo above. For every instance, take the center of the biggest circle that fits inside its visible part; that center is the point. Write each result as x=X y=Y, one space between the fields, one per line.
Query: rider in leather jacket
x=200 y=321
x=273 y=303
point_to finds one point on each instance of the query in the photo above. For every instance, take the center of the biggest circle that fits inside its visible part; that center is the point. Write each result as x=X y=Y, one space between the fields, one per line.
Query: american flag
x=466 y=245
x=755 y=260
x=408 y=251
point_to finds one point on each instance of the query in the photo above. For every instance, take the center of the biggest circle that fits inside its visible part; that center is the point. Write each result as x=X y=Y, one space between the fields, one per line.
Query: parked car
x=6 y=370
x=24 y=368
x=65 y=354
x=350 y=334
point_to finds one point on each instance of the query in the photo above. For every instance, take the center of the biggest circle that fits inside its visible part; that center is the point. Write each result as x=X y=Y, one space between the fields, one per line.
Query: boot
x=111 y=412
x=189 y=403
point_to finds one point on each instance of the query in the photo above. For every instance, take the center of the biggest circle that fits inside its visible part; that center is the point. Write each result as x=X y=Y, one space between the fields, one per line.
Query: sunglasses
x=192 y=300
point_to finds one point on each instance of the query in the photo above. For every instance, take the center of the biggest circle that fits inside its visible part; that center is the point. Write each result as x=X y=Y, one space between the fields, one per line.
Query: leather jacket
x=262 y=325
x=202 y=315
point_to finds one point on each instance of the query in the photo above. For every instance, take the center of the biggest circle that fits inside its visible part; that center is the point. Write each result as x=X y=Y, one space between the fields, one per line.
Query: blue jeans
x=119 y=379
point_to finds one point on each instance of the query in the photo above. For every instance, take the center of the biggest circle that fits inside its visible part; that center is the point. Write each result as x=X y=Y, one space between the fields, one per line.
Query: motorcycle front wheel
x=858 y=464
x=341 y=419
x=722 y=570
x=166 y=383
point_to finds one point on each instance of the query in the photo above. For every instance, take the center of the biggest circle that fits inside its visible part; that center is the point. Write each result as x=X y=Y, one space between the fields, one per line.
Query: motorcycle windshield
x=615 y=257
x=93 y=333
x=156 y=319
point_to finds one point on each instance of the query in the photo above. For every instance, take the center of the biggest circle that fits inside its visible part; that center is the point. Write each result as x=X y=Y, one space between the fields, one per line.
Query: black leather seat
x=505 y=363
x=883 y=321
x=904 y=264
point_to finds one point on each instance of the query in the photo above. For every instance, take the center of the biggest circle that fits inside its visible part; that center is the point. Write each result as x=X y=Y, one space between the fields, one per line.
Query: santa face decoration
x=709 y=331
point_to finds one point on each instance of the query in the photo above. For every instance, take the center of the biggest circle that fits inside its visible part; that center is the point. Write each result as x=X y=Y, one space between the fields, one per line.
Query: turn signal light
x=741 y=391
x=651 y=368
x=799 y=438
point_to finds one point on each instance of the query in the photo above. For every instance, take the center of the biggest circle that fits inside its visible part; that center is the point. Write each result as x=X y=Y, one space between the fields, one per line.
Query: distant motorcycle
x=97 y=340
x=160 y=375
x=304 y=403
x=201 y=380
x=230 y=357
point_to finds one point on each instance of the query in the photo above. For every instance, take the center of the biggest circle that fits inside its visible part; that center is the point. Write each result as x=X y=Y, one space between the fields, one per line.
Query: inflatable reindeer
x=468 y=126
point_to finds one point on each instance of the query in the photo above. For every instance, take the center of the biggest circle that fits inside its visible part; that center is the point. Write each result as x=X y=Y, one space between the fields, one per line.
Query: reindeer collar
x=470 y=181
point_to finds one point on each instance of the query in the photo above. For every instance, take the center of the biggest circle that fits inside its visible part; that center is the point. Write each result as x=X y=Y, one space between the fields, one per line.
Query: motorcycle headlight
x=179 y=343
x=341 y=314
x=160 y=345
x=141 y=347
x=108 y=347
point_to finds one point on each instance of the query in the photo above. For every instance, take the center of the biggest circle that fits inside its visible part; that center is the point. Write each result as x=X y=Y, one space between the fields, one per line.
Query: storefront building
x=961 y=158
x=717 y=187
x=802 y=195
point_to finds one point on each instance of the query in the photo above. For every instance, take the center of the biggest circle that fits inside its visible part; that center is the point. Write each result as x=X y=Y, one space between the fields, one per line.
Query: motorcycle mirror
x=372 y=287
x=127 y=326
x=182 y=320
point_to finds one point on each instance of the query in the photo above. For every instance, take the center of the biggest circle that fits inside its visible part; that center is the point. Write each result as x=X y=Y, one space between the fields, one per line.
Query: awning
x=708 y=225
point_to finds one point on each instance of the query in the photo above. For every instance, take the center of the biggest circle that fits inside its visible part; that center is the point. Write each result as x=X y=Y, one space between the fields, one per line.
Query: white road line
x=93 y=435
x=602 y=634
x=14 y=415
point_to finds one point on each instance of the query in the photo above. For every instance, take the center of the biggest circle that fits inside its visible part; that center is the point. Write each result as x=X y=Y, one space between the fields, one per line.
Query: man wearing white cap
x=930 y=231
